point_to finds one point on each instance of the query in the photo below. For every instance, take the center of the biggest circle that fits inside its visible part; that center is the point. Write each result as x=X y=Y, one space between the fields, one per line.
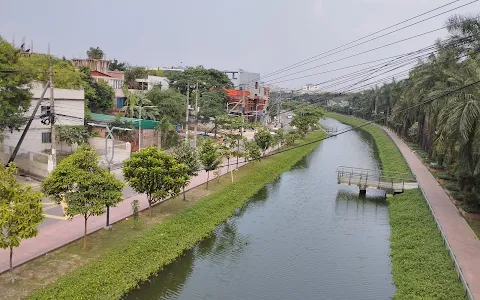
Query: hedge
x=421 y=265
x=133 y=262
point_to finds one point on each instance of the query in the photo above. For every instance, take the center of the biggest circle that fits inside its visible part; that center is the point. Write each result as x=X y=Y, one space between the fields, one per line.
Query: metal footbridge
x=390 y=182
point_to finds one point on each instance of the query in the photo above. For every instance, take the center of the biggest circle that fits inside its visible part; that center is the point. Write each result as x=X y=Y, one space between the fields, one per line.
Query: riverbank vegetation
x=421 y=265
x=447 y=129
x=122 y=266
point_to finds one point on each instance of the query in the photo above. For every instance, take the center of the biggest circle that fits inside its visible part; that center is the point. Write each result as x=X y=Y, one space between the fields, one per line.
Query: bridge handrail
x=377 y=173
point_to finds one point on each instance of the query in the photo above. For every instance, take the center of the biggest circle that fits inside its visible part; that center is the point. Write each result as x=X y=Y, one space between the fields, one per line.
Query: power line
x=319 y=56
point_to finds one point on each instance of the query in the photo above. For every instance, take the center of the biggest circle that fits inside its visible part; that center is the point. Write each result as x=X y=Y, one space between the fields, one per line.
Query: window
x=46 y=137
x=44 y=109
x=256 y=85
x=120 y=102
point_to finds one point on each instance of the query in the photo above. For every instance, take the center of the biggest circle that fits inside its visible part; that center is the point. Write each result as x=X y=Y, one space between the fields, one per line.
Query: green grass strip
x=421 y=265
x=123 y=268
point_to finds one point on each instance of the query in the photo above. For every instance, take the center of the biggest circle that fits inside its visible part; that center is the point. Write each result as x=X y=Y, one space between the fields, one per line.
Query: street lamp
x=109 y=135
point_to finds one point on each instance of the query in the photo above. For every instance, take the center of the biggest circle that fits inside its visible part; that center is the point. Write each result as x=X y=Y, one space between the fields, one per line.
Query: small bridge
x=391 y=183
x=330 y=130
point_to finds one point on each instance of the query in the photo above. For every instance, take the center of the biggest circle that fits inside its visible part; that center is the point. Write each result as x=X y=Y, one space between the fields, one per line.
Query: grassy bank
x=135 y=259
x=421 y=265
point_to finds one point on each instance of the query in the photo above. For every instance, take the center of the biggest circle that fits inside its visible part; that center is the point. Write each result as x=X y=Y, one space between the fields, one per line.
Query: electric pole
x=196 y=117
x=139 y=128
x=52 y=113
x=186 y=117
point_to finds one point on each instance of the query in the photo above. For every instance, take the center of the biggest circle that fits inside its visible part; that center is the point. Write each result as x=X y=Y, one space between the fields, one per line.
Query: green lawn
x=421 y=265
x=118 y=260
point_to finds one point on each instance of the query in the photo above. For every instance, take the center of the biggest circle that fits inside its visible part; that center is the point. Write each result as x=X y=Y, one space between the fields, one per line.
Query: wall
x=36 y=164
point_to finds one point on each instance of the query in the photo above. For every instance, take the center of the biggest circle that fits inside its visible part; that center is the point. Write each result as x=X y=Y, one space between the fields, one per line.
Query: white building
x=69 y=108
x=153 y=81
x=310 y=88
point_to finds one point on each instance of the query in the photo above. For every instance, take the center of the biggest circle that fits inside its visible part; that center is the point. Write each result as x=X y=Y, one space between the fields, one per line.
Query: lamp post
x=109 y=135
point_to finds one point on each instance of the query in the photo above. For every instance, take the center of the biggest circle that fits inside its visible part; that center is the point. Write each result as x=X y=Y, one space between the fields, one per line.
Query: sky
x=260 y=36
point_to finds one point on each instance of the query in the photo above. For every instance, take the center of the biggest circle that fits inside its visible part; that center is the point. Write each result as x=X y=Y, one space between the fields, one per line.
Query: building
x=152 y=81
x=310 y=89
x=69 y=110
x=249 y=96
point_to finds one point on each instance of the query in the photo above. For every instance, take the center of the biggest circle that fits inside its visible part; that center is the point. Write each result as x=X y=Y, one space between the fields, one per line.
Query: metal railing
x=364 y=178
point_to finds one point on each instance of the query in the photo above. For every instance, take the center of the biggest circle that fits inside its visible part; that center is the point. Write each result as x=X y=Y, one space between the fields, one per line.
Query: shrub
x=451 y=187
x=437 y=166
x=446 y=176
x=457 y=195
x=471 y=203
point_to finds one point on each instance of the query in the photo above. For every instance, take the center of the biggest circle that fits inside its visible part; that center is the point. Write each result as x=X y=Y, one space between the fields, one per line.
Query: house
x=33 y=155
x=249 y=96
x=152 y=81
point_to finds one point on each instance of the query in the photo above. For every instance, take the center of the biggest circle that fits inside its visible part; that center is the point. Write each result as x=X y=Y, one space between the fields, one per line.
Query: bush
x=451 y=187
x=436 y=166
x=446 y=176
x=457 y=195
x=471 y=203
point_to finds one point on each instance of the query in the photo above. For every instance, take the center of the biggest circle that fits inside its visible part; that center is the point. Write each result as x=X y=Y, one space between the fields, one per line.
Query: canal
x=301 y=237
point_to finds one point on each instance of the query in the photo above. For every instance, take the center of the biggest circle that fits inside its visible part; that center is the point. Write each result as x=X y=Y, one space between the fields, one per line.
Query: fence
x=33 y=163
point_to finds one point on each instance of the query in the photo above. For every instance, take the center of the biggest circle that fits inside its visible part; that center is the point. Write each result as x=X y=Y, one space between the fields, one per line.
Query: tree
x=166 y=133
x=115 y=65
x=281 y=136
x=15 y=78
x=188 y=156
x=209 y=156
x=99 y=95
x=208 y=79
x=95 y=53
x=212 y=104
x=71 y=135
x=252 y=151
x=264 y=139
x=138 y=106
x=170 y=103
x=155 y=173
x=306 y=117
x=84 y=186
x=20 y=210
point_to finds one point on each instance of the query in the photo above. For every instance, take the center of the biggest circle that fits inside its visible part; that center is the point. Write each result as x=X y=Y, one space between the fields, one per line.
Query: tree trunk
x=150 y=207
x=159 y=139
x=469 y=184
x=85 y=233
x=11 y=259
x=461 y=182
x=228 y=164
x=184 y=194
x=208 y=175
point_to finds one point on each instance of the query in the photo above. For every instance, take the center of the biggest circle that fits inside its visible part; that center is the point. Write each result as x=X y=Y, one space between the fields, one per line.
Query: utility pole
x=52 y=113
x=196 y=117
x=139 y=127
x=186 y=117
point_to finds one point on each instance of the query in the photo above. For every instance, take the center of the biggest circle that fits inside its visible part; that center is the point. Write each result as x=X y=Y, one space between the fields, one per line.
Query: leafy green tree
x=264 y=139
x=95 y=53
x=116 y=65
x=138 y=106
x=187 y=155
x=209 y=156
x=155 y=173
x=170 y=103
x=252 y=151
x=166 y=133
x=71 y=135
x=99 y=95
x=208 y=79
x=14 y=90
x=291 y=137
x=212 y=105
x=84 y=186
x=65 y=75
x=159 y=73
x=281 y=136
x=20 y=210
x=306 y=117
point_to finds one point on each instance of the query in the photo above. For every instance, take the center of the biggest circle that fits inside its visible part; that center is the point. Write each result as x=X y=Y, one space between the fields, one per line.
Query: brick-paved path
x=462 y=240
x=61 y=233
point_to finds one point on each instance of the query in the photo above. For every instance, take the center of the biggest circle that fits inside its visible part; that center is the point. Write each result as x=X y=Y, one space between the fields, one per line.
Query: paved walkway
x=462 y=240
x=61 y=233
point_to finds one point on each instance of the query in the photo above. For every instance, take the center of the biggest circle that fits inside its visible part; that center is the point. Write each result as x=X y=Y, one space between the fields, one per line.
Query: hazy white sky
x=255 y=35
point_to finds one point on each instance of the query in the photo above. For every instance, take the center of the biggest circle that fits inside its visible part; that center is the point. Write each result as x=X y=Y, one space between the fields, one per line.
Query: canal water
x=301 y=237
